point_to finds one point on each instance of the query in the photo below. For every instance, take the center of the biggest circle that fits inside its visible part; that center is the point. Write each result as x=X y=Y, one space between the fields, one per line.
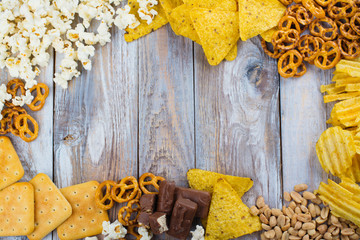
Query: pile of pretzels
x=15 y=119
x=332 y=33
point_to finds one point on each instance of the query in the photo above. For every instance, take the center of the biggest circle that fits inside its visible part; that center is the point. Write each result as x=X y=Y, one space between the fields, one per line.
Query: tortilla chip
x=206 y=180
x=232 y=54
x=258 y=16
x=168 y=6
x=218 y=32
x=225 y=5
x=144 y=29
x=229 y=217
x=267 y=35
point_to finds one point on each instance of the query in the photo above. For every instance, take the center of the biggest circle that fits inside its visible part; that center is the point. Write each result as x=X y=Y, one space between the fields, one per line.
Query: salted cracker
x=51 y=207
x=86 y=219
x=17 y=210
x=11 y=169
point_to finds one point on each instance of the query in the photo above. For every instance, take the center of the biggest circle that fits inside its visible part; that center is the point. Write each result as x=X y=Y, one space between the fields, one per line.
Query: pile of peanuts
x=305 y=218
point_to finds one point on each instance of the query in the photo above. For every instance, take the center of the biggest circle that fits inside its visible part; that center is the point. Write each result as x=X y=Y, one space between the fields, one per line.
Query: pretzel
x=314 y=8
x=125 y=213
x=21 y=123
x=349 y=49
x=13 y=86
x=308 y=46
x=304 y=16
x=328 y=56
x=286 y=2
x=131 y=231
x=297 y=1
x=347 y=32
x=301 y=70
x=342 y=9
x=4 y=126
x=39 y=100
x=275 y=53
x=9 y=117
x=126 y=190
x=152 y=182
x=355 y=22
x=292 y=10
x=323 y=3
x=288 y=22
x=341 y=21
x=322 y=28
x=289 y=62
x=285 y=39
x=104 y=202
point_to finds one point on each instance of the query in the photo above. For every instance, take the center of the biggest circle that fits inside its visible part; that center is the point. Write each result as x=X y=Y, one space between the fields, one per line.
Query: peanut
x=260 y=202
x=296 y=196
x=285 y=236
x=278 y=232
x=263 y=219
x=347 y=231
x=265 y=227
x=322 y=228
x=272 y=221
x=287 y=196
x=281 y=220
x=309 y=195
x=254 y=211
x=276 y=212
x=270 y=234
x=300 y=187
x=324 y=212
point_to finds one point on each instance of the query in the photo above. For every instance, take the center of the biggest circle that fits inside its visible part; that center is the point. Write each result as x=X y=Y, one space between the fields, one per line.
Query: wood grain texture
x=237 y=120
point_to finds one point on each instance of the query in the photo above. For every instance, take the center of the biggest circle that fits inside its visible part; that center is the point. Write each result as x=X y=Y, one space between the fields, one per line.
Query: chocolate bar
x=158 y=223
x=166 y=197
x=147 y=203
x=201 y=198
x=143 y=219
x=182 y=217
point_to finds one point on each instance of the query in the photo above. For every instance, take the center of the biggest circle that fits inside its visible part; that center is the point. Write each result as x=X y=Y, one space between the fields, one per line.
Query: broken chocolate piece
x=201 y=198
x=166 y=197
x=182 y=217
x=158 y=223
x=143 y=219
x=148 y=202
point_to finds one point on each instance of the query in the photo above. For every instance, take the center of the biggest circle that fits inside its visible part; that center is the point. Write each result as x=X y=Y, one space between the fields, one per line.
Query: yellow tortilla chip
x=229 y=217
x=206 y=180
x=168 y=6
x=225 y=5
x=218 y=32
x=232 y=54
x=258 y=16
x=144 y=29
x=267 y=35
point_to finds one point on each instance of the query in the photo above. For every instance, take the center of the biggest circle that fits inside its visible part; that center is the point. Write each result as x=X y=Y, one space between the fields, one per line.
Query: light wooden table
x=156 y=105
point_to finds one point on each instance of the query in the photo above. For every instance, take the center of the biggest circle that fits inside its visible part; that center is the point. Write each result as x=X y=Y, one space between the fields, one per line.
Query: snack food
x=87 y=218
x=42 y=92
x=26 y=132
x=17 y=210
x=201 y=198
x=127 y=189
x=166 y=197
x=11 y=169
x=158 y=223
x=51 y=207
x=149 y=179
x=126 y=214
x=106 y=201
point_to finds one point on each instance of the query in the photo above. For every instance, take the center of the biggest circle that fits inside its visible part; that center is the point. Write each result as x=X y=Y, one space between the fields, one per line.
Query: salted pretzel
x=288 y=22
x=323 y=3
x=304 y=16
x=355 y=23
x=13 y=86
x=285 y=39
x=274 y=53
x=314 y=8
x=341 y=21
x=9 y=116
x=126 y=213
x=308 y=46
x=325 y=28
x=291 y=10
x=289 y=63
x=4 y=129
x=297 y=1
x=127 y=189
x=328 y=56
x=131 y=231
x=104 y=202
x=26 y=134
x=349 y=49
x=42 y=92
x=301 y=70
x=347 y=32
x=154 y=181
x=341 y=9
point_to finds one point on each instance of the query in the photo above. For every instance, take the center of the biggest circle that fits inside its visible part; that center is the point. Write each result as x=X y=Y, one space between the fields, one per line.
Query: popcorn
x=124 y=19
x=145 y=234
x=114 y=230
x=83 y=54
x=23 y=99
x=198 y=234
x=147 y=15
x=103 y=34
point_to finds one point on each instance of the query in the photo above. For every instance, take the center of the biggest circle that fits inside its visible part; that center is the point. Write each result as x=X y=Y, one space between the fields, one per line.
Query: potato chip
x=335 y=150
x=258 y=16
x=229 y=217
x=345 y=113
x=168 y=6
x=341 y=96
x=351 y=186
x=144 y=28
x=206 y=180
x=350 y=67
x=267 y=35
x=343 y=203
x=218 y=32
x=354 y=171
x=232 y=54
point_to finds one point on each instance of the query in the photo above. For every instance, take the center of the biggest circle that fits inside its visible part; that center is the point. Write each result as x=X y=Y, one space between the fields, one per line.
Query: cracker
x=51 y=207
x=17 y=210
x=86 y=219
x=11 y=169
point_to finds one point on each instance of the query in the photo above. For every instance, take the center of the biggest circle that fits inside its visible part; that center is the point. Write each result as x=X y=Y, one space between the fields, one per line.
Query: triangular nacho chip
x=218 y=32
x=229 y=217
x=258 y=16
x=168 y=6
x=144 y=29
x=232 y=54
x=206 y=180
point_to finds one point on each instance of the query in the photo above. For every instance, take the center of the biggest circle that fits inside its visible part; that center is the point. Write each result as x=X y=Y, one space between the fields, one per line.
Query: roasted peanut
x=300 y=187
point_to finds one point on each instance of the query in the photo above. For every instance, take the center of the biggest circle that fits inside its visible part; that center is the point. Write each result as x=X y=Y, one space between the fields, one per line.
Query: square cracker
x=51 y=207
x=11 y=169
x=17 y=210
x=86 y=219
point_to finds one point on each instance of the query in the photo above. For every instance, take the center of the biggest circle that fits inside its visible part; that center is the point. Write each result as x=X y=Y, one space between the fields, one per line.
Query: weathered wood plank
x=96 y=119
x=237 y=120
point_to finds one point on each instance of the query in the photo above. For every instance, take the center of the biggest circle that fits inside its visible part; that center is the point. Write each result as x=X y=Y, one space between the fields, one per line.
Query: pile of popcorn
x=28 y=28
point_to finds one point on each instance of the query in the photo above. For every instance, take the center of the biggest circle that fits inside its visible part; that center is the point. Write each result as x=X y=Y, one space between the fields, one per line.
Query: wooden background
x=156 y=105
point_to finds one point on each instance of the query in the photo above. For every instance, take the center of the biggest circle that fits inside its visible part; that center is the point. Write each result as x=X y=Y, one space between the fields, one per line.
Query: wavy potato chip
x=345 y=113
x=205 y=181
x=229 y=217
x=354 y=171
x=335 y=150
x=349 y=67
x=351 y=186
x=218 y=32
x=144 y=28
x=258 y=16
